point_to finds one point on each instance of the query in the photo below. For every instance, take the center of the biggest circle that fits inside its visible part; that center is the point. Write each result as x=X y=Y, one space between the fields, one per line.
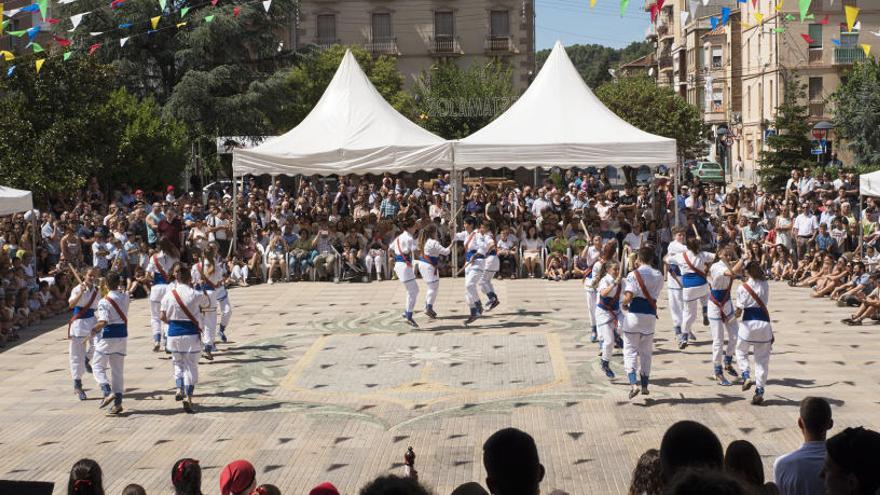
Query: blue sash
x=115 y=331
x=203 y=288
x=492 y=253
x=642 y=306
x=755 y=314
x=432 y=260
x=609 y=303
x=675 y=270
x=158 y=279
x=473 y=254
x=86 y=313
x=402 y=259
x=721 y=295
x=690 y=280
x=178 y=328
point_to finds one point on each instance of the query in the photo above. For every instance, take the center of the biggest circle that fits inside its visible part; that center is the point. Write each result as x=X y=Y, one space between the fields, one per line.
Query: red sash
x=117 y=308
x=189 y=315
x=757 y=299
x=651 y=301
x=467 y=241
x=78 y=315
x=159 y=267
x=205 y=280
x=427 y=259
x=587 y=273
x=692 y=267
x=402 y=254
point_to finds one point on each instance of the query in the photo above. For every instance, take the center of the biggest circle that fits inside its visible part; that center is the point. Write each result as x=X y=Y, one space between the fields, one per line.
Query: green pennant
x=209 y=18
x=67 y=55
x=623 y=5
x=16 y=33
x=183 y=12
x=43 y=5
x=778 y=30
x=804 y=7
x=809 y=17
x=162 y=5
x=789 y=17
x=37 y=47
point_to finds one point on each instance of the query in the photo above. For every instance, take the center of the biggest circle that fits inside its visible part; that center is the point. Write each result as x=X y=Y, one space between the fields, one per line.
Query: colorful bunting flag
x=162 y=4
x=807 y=38
x=742 y=1
x=125 y=25
x=810 y=17
x=154 y=21
x=684 y=17
x=96 y=33
x=851 y=14
x=180 y=25
x=61 y=41
x=65 y=2
x=7 y=55
x=754 y=4
x=789 y=17
x=214 y=3
x=592 y=3
x=824 y=20
x=17 y=34
x=39 y=63
x=122 y=41
x=10 y=13
x=714 y=21
x=53 y=21
x=183 y=12
x=877 y=34
x=655 y=11
x=237 y=10
x=75 y=19
x=37 y=48
x=759 y=17
x=3 y=23
x=32 y=32
x=725 y=15
x=705 y=3
x=117 y=3
x=835 y=41
x=29 y=8
x=779 y=5
x=94 y=48
x=209 y=18
x=267 y=4
x=867 y=49
x=692 y=8
x=43 y=5
x=67 y=55
x=857 y=27
x=623 y=5
x=9 y=71
x=804 y=6
x=778 y=30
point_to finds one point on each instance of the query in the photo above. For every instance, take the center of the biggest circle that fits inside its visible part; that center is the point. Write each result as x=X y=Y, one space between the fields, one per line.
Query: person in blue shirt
x=824 y=241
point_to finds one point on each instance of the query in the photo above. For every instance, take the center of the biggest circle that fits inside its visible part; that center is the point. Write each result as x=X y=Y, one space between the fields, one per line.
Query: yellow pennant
x=746 y=25
x=759 y=17
x=1 y=23
x=851 y=14
x=779 y=5
x=155 y=21
x=180 y=25
x=39 y=64
x=592 y=3
x=867 y=49
x=7 y=55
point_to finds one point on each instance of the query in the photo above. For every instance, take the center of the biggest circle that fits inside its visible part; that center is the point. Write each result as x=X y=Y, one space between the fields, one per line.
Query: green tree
x=453 y=102
x=789 y=146
x=655 y=109
x=857 y=112
x=593 y=61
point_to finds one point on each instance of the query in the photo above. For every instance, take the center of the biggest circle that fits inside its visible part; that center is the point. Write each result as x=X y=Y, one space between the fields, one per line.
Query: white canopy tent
x=15 y=200
x=558 y=121
x=869 y=185
x=351 y=130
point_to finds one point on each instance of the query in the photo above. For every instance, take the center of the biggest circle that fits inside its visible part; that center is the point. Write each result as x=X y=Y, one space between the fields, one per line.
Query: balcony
x=848 y=56
x=382 y=47
x=445 y=45
x=817 y=109
x=499 y=45
x=662 y=30
x=325 y=43
x=650 y=32
x=665 y=62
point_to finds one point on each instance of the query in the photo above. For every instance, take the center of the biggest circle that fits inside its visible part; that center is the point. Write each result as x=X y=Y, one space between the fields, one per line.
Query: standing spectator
x=743 y=461
x=806 y=185
x=155 y=216
x=510 y=457
x=798 y=472
x=171 y=227
x=85 y=478
x=390 y=206
x=805 y=227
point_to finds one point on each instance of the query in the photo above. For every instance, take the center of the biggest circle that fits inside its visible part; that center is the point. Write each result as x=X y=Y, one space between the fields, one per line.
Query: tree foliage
x=789 y=146
x=593 y=61
x=453 y=102
x=857 y=113
x=655 y=109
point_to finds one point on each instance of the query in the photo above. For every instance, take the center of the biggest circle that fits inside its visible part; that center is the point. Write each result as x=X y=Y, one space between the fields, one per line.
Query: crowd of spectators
x=690 y=460
x=340 y=228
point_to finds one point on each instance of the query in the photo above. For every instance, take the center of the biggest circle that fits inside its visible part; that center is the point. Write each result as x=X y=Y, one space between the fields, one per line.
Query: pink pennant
x=754 y=4
x=660 y=4
x=214 y=3
x=94 y=47
x=236 y=11
x=807 y=38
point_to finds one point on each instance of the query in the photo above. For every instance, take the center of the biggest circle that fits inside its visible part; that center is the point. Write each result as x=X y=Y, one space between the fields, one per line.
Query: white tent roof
x=352 y=129
x=869 y=184
x=15 y=200
x=558 y=121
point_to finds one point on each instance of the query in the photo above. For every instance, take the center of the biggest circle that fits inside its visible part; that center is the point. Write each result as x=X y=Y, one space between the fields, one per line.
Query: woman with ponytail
x=427 y=264
x=85 y=478
x=186 y=477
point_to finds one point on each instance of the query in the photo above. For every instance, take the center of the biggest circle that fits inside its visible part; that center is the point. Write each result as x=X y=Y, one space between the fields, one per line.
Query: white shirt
x=192 y=299
x=404 y=245
x=798 y=472
x=106 y=311
x=215 y=278
x=433 y=248
x=508 y=244
x=719 y=281
x=163 y=260
x=805 y=225
x=653 y=280
x=102 y=261
x=82 y=327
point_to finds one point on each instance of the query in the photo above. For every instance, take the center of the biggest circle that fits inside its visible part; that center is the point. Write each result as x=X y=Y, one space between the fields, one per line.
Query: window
x=716 y=57
x=816 y=89
x=499 y=23
x=816 y=36
x=701 y=59
x=772 y=97
x=717 y=98
x=326 y=28
x=848 y=39
x=444 y=25
x=749 y=102
x=381 y=26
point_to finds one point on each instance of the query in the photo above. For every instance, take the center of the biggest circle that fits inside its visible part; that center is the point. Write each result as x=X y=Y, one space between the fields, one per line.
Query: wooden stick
x=75 y=274
x=696 y=232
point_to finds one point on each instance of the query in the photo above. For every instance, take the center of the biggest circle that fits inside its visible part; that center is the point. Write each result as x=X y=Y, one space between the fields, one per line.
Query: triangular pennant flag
x=714 y=21
x=807 y=38
x=779 y=5
x=7 y=55
x=237 y=10
x=122 y=41
x=183 y=12
x=154 y=21
x=151 y=32
x=39 y=63
x=32 y=32
x=705 y=3
x=125 y=25
x=9 y=71
x=162 y=4
x=754 y=4
x=94 y=48
x=725 y=15
x=30 y=8
x=592 y=3
x=61 y=41
x=3 y=23
x=75 y=19
x=96 y=33
x=65 y=2
x=867 y=49
x=759 y=17
x=180 y=25
x=209 y=18
x=746 y=25
x=684 y=17
x=17 y=34
x=623 y=5
x=824 y=20
x=11 y=13
x=810 y=17
x=267 y=4
x=789 y=17
x=857 y=27
x=877 y=34
x=804 y=7
x=851 y=14
x=214 y=3
x=655 y=11
x=37 y=48
x=67 y=55
x=117 y=3
x=835 y=41
x=53 y=21
x=43 y=6
x=778 y=30
x=742 y=1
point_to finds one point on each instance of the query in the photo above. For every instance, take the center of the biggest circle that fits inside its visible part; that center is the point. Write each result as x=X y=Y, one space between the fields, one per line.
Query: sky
x=574 y=22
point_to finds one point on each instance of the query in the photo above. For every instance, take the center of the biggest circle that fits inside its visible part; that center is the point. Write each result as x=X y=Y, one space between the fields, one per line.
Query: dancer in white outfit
x=491 y=264
x=224 y=306
x=180 y=309
x=673 y=282
x=473 y=264
x=404 y=247
x=83 y=301
x=693 y=264
x=427 y=264
x=721 y=320
x=207 y=278
x=755 y=331
x=112 y=342
x=592 y=254
x=159 y=267
x=642 y=288
x=608 y=314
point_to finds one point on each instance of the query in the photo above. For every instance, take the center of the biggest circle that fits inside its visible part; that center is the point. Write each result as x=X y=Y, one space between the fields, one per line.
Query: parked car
x=709 y=172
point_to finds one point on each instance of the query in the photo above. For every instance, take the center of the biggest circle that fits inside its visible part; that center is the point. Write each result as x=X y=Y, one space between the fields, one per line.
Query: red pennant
x=116 y=3
x=236 y=11
x=754 y=4
x=214 y=3
x=654 y=11
x=94 y=47
x=61 y=41
x=824 y=20
x=52 y=20
x=807 y=38
x=660 y=4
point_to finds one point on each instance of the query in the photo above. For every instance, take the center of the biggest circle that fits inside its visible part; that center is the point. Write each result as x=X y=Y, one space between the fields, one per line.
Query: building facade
x=418 y=33
x=735 y=72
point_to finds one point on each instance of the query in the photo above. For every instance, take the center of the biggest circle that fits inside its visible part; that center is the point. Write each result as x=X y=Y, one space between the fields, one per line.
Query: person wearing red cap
x=169 y=194
x=238 y=478
x=325 y=488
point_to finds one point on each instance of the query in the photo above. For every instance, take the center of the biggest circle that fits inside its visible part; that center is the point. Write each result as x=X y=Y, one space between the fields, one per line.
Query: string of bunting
x=154 y=23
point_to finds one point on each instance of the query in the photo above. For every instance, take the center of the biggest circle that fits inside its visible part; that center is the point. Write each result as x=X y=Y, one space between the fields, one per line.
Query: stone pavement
x=323 y=382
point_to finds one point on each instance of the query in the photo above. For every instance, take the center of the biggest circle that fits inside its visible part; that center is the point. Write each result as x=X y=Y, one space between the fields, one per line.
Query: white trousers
x=225 y=309
x=110 y=356
x=718 y=329
x=591 y=306
x=159 y=329
x=209 y=319
x=185 y=351
x=761 y=351
x=377 y=261
x=637 y=351
x=606 y=332
x=406 y=275
x=240 y=273
x=489 y=270
x=471 y=277
x=692 y=310
x=78 y=356
x=675 y=306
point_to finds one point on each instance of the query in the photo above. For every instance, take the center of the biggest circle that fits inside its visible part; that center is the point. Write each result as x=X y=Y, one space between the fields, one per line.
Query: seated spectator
x=277 y=252
x=852 y=463
x=532 y=246
x=300 y=255
x=238 y=478
x=85 y=478
x=555 y=267
x=743 y=461
x=704 y=481
x=510 y=458
x=689 y=444
x=646 y=478
x=798 y=472
x=507 y=253
x=393 y=485
x=325 y=259
x=134 y=489
x=186 y=477
x=325 y=488
x=870 y=308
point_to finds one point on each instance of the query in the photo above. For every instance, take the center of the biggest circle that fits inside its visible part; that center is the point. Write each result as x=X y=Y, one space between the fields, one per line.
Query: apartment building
x=734 y=73
x=420 y=32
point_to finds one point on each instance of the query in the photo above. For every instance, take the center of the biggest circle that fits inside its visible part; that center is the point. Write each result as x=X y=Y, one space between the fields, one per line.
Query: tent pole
x=861 y=231
x=234 y=214
x=675 y=188
x=34 y=240
x=454 y=219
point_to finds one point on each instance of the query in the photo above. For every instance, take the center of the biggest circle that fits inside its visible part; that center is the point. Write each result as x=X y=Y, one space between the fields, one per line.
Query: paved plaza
x=323 y=382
